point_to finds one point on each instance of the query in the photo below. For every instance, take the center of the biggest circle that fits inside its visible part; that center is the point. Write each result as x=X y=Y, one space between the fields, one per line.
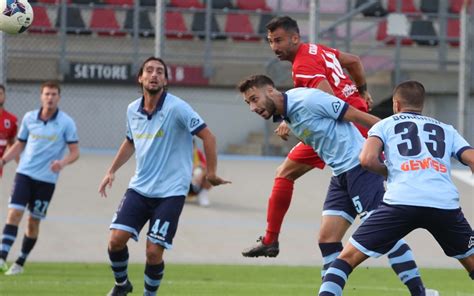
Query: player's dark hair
x=140 y=72
x=411 y=93
x=51 y=84
x=285 y=22
x=254 y=81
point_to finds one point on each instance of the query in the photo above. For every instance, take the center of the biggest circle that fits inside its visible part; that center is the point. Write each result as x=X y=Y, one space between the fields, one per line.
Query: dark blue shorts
x=389 y=223
x=354 y=192
x=32 y=193
x=163 y=213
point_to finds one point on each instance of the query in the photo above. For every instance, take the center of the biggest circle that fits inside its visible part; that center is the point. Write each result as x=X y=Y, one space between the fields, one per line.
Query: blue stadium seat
x=199 y=26
x=423 y=33
x=375 y=9
x=74 y=21
x=145 y=28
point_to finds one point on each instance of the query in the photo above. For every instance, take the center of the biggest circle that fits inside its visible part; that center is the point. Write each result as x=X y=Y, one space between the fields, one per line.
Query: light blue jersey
x=419 y=148
x=46 y=141
x=163 y=146
x=315 y=117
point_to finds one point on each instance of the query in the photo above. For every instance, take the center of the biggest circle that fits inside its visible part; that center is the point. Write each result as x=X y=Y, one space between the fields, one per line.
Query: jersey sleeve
x=190 y=119
x=24 y=132
x=377 y=131
x=128 y=130
x=330 y=49
x=326 y=105
x=71 y=136
x=14 y=127
x=459 y=145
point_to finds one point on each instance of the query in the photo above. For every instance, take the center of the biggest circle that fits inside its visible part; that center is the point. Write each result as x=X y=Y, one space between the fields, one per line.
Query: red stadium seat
x=175 y=27
x=407 y=6
x=455 y=6
x=253 y=5
x=382 y=35
x=52 y=1
x=119 y=2
x=240 y=23
x=186 y=3
x=41 y=22
x=453 y=31
x=103 y=21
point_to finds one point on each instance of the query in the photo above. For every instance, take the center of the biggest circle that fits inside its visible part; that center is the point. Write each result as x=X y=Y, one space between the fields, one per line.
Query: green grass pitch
x=221 y=280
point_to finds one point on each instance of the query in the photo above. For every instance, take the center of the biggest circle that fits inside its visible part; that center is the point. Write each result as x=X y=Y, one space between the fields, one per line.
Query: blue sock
x=26 y=247
x=119 y=264
x=153 y=276
x=8 y=238
x=335 y=278
x=330 y=251
x=403 y=263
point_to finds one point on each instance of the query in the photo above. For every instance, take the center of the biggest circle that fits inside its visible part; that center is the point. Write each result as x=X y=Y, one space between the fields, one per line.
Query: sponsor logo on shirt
x=423 y=164
x=336 y=106
x=349 y=89
x=146 y=136
x=304 y=135
x=7 y=123
x=51 y=138
x=194 y=122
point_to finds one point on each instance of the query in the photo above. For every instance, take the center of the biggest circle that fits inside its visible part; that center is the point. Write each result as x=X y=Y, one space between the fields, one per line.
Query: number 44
x=163 y=230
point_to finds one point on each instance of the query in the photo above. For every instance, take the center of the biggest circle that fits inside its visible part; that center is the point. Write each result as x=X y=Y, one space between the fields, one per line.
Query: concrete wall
x=99 y=111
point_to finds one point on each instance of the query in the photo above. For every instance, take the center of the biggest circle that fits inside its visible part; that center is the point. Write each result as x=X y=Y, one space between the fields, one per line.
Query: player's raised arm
x=126 y=150
x=354 y=66
x=362 y=118
x=209 y=143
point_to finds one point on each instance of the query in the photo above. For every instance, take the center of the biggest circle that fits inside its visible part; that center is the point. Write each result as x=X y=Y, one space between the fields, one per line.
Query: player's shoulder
x=133 y=106
x=8 y=115
x=65 y=117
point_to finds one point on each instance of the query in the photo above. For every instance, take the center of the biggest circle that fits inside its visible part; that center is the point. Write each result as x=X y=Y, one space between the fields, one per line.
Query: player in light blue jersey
x=43 y=138
x=420 y=192
x=324 y=122
x=160 y=129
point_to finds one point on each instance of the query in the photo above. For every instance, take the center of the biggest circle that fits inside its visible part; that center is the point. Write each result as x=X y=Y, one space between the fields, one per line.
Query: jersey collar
x=51 y=118
x=284 y=116
x=159 y=105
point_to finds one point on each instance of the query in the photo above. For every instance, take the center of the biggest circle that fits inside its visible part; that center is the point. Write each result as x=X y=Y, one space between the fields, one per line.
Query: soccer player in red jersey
x=8 y=125
x=319 y=66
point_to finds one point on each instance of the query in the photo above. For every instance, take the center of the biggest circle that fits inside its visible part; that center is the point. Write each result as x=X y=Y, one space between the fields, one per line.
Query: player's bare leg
x=468 y=264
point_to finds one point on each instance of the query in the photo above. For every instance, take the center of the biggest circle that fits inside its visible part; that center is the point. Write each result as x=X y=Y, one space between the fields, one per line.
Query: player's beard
x=269 y=107
x=154 y=91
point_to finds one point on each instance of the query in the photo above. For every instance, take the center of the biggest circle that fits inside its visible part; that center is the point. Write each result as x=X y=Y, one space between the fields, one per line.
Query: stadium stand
x=408 y=6
x=119 y=2
x=145 y=28
x=221 y=4
x=423 y=33
x=429 y=6
x=382 y=35
x=148 y=3
x=175 y=26
x=455 y=6
x=104 y=22
x=264 y=19
x=186 y=3
x=199 y=26
x=240 y=24
x=74 y=22
x=333 y=7
x=252 y=5
x=88 y=2
x=375 y=10
x=453 y=31
x=41 y=22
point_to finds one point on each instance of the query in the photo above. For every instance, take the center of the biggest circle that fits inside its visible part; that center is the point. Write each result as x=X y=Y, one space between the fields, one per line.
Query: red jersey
x=316 y=62
x=8 y=128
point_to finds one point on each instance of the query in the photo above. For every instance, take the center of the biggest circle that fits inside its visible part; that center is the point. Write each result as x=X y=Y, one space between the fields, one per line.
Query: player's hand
x=106 y=182
x=57 y=166
x=368 y=99
x=216 y=180
x=283 y=131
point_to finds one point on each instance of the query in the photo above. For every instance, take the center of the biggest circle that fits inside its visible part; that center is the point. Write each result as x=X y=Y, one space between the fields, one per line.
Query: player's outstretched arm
x=209 y=143
x=354 y=66
x=13 y=152
x=468 y=158
x=126 y=150
x=370 y=156
x=362 y=118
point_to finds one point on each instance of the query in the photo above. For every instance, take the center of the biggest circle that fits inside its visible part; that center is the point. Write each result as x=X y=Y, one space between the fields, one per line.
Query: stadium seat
x=119 y=2
x=382 y=35
x=199 y=26
x=41 y=22
x=453 y=31
x=144 y=24
x=375 y=9
x=89 y=2
x=74 y=21
x=175 y=27
x=264 y=19
x=421 y=30
x=429 y=6
x=455 y=6
x=240 y=24
x=221 y=4
x=104 y=21
x=186 y=3
x=52 y=1
x=289 y=5
x=148 y=3
x=252 y=5
x=407 y=6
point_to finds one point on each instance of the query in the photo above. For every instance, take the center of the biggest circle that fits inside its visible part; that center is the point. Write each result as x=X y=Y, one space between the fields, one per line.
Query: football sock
x=471 y=274
x=153 y=276
x=119 y=264
x=278 y=204
x=8 y=238
x=26 y=247
x=335 y=279
x=329 y=251
x=403 y=263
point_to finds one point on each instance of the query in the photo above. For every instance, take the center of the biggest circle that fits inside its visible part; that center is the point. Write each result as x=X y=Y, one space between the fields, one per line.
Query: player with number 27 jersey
x=419 y=148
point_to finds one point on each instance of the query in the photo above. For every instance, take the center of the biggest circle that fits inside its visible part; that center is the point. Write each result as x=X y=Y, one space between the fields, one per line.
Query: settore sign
x=119 y=73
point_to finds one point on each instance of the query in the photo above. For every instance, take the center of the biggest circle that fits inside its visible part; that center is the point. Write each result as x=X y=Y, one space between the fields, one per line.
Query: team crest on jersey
x=194 y=122
x=7 y=123
x=336 y=106
x=471 y=242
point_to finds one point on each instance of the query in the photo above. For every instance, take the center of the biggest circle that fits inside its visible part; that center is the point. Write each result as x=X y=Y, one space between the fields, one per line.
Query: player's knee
x=14 y=217
x=154 y=256
x=116 y=244
x=32 y=229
